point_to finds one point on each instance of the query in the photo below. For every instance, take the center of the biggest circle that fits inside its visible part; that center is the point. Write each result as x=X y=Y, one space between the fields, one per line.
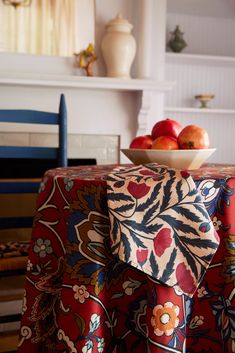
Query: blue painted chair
x=38 y=117
x=17 y=196
x=18 y=192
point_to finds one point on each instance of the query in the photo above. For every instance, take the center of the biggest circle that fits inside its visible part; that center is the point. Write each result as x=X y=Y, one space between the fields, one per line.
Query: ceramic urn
x=118 y=47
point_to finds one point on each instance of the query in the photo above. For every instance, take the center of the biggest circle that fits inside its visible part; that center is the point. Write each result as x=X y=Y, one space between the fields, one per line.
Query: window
x=47 y=27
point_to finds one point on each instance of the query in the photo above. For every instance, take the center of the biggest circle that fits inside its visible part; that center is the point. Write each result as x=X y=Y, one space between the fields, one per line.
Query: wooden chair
x=17 y=207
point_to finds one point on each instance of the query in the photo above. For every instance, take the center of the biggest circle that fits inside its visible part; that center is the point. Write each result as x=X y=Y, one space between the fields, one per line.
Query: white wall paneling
x=201 y=79
x=206 y=66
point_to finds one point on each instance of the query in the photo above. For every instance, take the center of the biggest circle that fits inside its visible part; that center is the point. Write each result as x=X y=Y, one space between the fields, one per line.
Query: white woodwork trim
x=84 y=82
x=199 y=110
x=187 y=59
x=144 y=113
x=144 y=39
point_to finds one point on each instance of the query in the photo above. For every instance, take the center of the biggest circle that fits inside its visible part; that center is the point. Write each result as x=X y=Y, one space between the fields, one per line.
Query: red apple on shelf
x=167 y=127
x=193 y=137
x=165 y=143
x=142 y=142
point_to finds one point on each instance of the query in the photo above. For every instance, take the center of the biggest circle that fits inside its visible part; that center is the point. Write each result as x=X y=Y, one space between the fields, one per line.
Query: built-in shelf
x=199 y=110
x=186 y=59
x=73 y=81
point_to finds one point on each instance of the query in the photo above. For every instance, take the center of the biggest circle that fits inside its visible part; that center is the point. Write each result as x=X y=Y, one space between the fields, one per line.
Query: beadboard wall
x=205 y=66
x=194 y=79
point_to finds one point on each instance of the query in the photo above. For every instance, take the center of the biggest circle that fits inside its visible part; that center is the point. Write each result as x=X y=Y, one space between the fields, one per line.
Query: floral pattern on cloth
x=80 y=298
x=159 y=224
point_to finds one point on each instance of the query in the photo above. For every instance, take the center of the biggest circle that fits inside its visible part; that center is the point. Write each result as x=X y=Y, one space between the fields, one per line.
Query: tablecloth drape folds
x=160 y=225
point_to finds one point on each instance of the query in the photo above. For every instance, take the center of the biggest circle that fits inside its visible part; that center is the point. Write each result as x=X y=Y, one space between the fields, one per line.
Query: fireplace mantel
x=63 y=76
x=73 y=81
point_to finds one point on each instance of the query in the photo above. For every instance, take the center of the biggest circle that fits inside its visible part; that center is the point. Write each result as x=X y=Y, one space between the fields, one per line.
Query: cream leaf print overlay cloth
x=160 y=225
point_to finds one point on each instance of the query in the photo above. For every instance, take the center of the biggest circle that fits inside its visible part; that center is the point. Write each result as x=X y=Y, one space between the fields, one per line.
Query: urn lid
x=119 y=24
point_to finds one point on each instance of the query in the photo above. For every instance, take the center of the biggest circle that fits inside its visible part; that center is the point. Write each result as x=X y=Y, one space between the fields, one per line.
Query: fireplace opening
x=35 y=168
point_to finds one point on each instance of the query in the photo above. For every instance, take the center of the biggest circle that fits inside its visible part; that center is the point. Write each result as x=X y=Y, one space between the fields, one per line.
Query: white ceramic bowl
x=179 y=159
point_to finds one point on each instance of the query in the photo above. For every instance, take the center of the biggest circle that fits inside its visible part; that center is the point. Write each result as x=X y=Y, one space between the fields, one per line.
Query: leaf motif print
x=167 y=194
x=201 y=209
x=194 y=192
x=115 y=229
x=178 y=224
x=119 y=183
x=153 y=228
x=132 y=225
x=151 y=200
x=171 y=173
x=162 y=241
x=119 y=197
x=190 y=258
x=179 y=190
x=124 y=208
x=126 y=245
x=189 y=215
x=110 y=178
x=169 y=267
x=204 y=243
x=136 y=239
x=153 y=264
x=148 y=215
x=198 y=198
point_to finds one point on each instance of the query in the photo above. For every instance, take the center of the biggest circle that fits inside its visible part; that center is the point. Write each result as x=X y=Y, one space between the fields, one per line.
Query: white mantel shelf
x=72 y=81
x=187 y=59
x=199 y=110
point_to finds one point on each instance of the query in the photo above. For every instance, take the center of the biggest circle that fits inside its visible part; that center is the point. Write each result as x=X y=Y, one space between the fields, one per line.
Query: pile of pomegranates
x=169 y=134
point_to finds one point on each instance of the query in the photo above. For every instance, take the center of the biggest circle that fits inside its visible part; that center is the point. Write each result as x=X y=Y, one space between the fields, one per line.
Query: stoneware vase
x=177 y=42
x=118 y=47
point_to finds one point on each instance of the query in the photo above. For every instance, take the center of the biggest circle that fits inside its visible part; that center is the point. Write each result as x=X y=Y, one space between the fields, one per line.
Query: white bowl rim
x=170 y=151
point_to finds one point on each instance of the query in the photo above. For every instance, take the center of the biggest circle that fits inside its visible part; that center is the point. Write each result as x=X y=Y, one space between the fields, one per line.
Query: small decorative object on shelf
x=118 y=47
x=204 y=99
x=177 y=42
x=85 y=59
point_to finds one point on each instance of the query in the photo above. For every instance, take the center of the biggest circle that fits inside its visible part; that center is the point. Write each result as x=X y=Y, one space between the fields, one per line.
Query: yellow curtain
x=46 y=27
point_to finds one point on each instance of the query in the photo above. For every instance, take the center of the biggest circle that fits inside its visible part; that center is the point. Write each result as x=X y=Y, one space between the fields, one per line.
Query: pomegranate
x=167 y=127
x=165 y=143
x=193 y=137
x=142 y=142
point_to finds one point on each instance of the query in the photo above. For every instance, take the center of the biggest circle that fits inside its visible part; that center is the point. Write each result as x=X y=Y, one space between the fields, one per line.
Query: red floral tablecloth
x=81 y=298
